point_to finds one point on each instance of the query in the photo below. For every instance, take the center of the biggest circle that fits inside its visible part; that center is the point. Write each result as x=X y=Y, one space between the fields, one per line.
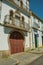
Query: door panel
x=36 y=41
x=16 y=46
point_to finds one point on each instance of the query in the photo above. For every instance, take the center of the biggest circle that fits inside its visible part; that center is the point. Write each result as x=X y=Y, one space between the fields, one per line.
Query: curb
x=37 y=52
x=16 y=63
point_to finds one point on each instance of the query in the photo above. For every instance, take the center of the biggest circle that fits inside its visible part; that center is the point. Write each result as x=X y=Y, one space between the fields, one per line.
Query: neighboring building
x=14 y=26
x=20 y=29
x=42 y=31
x=37 y=31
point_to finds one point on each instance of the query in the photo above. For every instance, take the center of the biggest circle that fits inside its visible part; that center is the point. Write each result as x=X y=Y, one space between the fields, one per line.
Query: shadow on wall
x=7 y=30
x=9 y=4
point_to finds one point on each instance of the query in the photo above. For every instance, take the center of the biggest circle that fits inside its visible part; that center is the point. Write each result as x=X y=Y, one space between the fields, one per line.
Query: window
x=9 y=18
x=23 y=23
x=22 y=18
x=21 y=2
x=11 y=14
x=17 y=20
x=27 y=4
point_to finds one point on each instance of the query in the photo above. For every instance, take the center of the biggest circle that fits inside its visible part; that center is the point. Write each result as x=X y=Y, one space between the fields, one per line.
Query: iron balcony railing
x=17 y=3
x=16 y=23
x=24 y=5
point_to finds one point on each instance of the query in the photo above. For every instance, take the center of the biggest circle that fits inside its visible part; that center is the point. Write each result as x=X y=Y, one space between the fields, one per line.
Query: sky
x=36 y=6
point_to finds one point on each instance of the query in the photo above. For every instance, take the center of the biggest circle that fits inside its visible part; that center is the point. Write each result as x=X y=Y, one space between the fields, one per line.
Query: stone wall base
x=4 y=53
x=27 y=49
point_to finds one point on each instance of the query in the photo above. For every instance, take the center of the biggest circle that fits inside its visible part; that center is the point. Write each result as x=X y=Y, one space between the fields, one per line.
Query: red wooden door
x=16 y=42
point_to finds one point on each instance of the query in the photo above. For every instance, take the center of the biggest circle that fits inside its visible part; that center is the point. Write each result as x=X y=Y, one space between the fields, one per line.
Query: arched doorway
x=16 y=42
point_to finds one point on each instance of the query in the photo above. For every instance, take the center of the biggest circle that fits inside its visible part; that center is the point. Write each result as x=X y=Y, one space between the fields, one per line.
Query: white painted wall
x=5 y=11
x=3 y=35
x=4 y=45
x=32 y=20
x=33 y=39
x=40 y=38
x=3 y=39
x=27 y=41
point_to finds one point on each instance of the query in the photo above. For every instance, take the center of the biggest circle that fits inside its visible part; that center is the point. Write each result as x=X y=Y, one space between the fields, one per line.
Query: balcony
x=16 y=23
x=36 y=25
x=20 y=6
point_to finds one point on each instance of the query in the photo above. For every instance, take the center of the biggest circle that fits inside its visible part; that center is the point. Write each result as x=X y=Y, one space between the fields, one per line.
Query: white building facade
x=19 y=30
x=14 y=26
x=36 y=25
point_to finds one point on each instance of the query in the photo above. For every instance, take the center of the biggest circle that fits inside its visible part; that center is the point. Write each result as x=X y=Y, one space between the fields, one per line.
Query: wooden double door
x=16 y=42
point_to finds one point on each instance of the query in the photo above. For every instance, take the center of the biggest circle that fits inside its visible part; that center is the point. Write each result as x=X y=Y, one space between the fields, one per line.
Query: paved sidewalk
x=25 y=58
x=22 y=58
x=37 y=51
x=8 y=61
